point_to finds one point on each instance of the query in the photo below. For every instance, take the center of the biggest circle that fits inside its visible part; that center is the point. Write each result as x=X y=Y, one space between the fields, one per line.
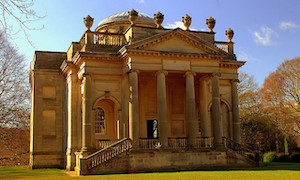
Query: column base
x=71 y=159
x=219 y=147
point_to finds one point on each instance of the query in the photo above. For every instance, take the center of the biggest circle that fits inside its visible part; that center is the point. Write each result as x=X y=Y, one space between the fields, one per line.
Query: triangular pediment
x=177 y=40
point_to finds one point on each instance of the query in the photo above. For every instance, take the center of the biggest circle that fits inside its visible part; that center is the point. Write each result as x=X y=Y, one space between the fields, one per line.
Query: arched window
x=100 y=121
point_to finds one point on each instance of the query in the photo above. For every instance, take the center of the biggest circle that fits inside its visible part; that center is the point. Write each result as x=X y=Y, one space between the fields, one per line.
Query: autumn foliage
x=14 y=146
x=271 y=113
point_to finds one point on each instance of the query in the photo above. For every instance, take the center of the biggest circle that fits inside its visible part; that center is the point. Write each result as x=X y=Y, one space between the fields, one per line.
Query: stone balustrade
x=178 y=143
x=105 y=154
x=149 y=143
x=241 y=149
x=222 y=45
x=105 y=143
x=100 y=38
x=205 y=142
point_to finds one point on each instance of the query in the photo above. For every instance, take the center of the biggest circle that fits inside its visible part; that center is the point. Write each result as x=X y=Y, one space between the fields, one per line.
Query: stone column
x=191 y=109
x=216 y=113
x=134 y=108
x=235 y=111
x=71 y=119
x=205 y=124
x=86 y=114
x=162 y=108
x=125 y=107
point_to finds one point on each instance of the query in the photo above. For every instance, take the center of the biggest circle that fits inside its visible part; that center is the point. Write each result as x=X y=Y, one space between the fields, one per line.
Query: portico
x=190 y=119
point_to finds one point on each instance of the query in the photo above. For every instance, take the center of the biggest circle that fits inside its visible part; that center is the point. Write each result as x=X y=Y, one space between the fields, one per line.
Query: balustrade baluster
x=112 y=150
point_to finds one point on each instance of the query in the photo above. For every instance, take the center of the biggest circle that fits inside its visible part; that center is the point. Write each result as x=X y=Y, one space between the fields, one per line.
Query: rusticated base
x=50 y=160
x=170 y=160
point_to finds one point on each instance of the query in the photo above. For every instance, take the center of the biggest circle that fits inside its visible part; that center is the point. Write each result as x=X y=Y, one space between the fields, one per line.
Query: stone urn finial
x=187 y=20
x=229 y=34
x=88 y=22
x=210 y=22
x=133 y=16
x=159 y=18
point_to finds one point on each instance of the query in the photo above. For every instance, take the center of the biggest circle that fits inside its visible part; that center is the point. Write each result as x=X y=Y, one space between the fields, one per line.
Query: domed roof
x=123 y=17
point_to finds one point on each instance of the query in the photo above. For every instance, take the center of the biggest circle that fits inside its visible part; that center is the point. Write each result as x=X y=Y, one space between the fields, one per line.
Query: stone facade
x=162 y=88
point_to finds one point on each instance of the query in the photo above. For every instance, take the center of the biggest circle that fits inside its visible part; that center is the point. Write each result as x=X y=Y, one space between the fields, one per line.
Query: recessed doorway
x=152 y=131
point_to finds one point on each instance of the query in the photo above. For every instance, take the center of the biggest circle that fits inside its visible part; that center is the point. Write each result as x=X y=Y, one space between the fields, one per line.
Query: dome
x=122 y=19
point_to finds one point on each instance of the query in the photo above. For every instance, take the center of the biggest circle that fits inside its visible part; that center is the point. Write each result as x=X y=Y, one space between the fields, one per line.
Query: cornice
x=66 y=66
x=232 y=64
x=172 y=54
x=103 y=56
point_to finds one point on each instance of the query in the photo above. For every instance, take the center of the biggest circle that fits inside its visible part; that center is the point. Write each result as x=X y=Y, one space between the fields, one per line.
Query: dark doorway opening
x=152 y=128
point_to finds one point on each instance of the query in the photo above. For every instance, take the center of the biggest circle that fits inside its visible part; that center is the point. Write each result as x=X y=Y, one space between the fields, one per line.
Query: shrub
x=270 y=157
x=295 y=158
x=284 y=158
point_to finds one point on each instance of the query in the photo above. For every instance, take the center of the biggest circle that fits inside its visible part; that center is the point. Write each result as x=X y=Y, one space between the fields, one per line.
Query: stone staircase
x=86 y=164
x=119 y=158
x=242 y=150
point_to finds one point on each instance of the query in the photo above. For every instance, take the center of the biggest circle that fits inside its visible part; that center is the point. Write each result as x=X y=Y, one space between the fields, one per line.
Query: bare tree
x=15 y=16
x=14 y=105
x=256 y=126
x=247 y=89
x=14 y=86
x=289 y=75
x=18 y=16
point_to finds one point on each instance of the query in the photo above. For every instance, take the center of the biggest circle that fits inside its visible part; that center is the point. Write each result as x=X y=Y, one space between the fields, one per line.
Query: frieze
x=168 y=54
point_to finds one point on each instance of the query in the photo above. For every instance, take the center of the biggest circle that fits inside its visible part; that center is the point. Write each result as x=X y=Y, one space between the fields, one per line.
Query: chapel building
x=132 y=96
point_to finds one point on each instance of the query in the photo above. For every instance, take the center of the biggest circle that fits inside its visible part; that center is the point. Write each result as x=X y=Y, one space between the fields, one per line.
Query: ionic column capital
x=161 y=71
x=216 y=74
x=205 y=78
x=188 y=73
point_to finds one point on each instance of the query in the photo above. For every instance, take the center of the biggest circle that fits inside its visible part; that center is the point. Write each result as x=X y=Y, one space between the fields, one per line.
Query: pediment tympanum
x=177 y=40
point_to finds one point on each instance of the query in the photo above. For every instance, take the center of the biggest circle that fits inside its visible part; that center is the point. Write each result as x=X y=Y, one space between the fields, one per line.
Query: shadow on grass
x=25 y=171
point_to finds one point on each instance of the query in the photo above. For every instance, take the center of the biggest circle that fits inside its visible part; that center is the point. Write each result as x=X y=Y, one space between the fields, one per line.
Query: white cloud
x=265 y=36
x=178 y=24
x=140 y=1
x=244 y=55
x=288 y=25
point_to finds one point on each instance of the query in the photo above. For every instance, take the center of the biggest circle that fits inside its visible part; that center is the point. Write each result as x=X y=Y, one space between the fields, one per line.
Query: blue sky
x=267 y=32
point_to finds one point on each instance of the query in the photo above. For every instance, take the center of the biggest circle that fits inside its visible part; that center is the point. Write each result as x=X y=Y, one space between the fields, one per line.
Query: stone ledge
x=170 y=160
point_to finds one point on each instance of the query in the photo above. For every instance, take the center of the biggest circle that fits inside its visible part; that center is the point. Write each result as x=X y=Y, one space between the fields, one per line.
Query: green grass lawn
x=272 y=171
